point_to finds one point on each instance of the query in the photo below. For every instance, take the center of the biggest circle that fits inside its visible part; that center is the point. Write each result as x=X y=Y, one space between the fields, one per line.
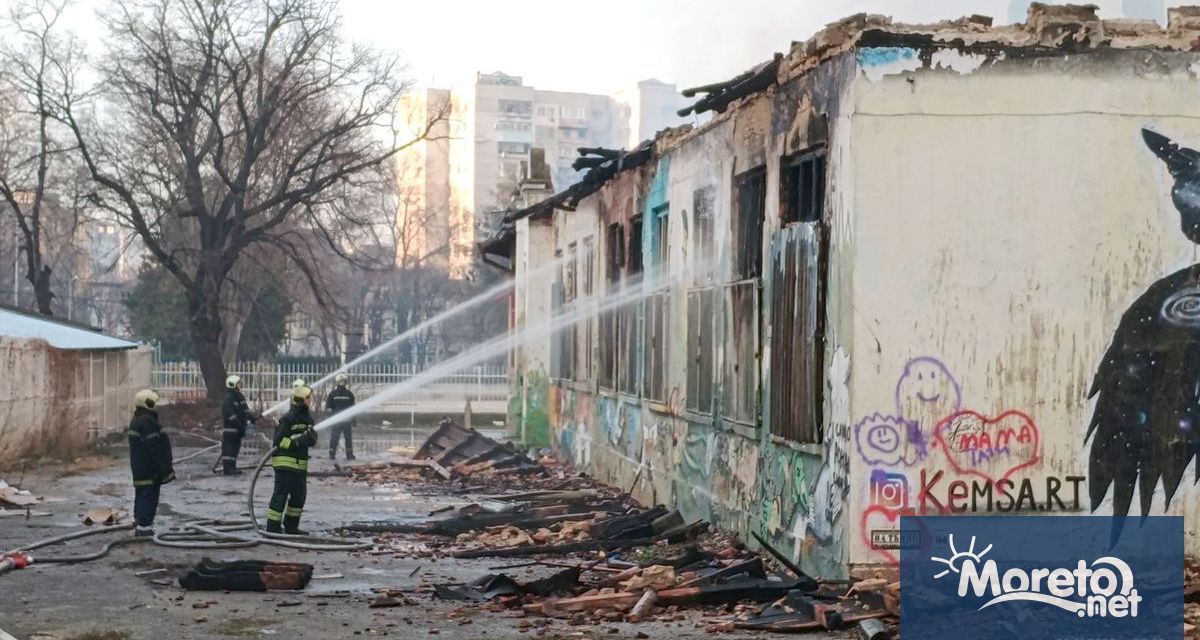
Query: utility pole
x=16 y=278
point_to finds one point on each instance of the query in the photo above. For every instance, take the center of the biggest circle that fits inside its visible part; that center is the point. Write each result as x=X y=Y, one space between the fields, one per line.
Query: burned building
x=890 y=276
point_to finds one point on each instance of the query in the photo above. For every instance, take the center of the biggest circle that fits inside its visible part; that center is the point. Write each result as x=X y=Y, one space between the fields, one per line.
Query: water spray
x=475 y=301
x=632 y=292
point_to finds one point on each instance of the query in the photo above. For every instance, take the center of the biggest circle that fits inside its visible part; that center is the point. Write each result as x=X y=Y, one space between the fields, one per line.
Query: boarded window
x=803 y=196
x=562 y=343
x=627 y=380
x=585 y=328
x=797 y=333
x=610 y=321
x=740 y=353
x=587 y=265
x=608 y=338
x=700 y=305
x=656 y=307
x=703 y=206
x=748 y=223
x=700 y=350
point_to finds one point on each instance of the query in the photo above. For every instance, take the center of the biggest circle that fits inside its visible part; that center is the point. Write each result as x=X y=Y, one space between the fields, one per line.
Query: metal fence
x=267 y=382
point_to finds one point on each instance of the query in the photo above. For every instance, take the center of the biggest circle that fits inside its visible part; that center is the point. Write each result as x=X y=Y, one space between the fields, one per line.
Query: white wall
x=1003 y=221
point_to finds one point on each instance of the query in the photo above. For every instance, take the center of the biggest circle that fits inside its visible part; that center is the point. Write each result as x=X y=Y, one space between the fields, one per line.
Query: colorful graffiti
x=1143 y=427
x=992 y=448
x=981 y=455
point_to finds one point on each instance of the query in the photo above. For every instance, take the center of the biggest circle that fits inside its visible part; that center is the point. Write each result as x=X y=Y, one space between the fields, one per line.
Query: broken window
x=700 y=309
x=635 y=246
x=751 y=189
x=616 y=251
x=803 y=183
x=656 y=307
x=740 y=348
x=797 y=333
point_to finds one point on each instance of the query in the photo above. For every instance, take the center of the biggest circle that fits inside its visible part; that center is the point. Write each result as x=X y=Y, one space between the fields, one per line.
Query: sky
x=601 y=47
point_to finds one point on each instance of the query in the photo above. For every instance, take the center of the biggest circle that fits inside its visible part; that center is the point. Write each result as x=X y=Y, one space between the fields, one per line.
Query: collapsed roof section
x=1048 y=30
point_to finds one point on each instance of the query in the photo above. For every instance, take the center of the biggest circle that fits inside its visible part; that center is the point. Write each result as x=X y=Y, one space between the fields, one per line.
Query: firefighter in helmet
x=149 y=459
x=237 y=416
x=340 y=399
x=294 y=435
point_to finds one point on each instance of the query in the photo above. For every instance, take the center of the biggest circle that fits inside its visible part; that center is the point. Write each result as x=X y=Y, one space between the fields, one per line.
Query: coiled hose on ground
x=200 y=534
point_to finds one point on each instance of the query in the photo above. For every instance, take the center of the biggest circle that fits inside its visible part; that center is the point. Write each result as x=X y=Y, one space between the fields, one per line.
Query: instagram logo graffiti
x=889 y=490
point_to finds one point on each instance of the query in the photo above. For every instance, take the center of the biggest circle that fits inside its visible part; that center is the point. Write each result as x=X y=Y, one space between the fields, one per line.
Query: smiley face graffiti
x=926 y=394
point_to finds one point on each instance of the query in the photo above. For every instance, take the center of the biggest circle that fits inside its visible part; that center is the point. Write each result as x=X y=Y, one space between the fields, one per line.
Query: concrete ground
x=106 y=600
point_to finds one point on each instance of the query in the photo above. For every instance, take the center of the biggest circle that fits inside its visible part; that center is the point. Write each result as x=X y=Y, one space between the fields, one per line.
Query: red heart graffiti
x=991 y=448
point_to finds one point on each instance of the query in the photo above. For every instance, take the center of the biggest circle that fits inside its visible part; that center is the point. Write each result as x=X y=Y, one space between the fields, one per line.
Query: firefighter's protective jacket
x=293 y=436
x=149 y=449
x=236 y=412
x=339 y=399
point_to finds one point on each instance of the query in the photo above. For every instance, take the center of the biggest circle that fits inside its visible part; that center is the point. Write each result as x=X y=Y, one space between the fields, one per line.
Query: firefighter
x=340 y=399
x=293 y=436
x=236 y=416
x=149 y=459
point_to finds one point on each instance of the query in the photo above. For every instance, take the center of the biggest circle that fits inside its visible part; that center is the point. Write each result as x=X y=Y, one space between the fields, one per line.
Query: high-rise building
x=1146 y=9
x=653 y=106
x=435 y=224
x=511 y=118
x=482 y=146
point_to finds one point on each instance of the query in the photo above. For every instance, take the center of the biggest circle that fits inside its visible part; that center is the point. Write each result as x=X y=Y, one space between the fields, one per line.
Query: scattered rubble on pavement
x=601 y=556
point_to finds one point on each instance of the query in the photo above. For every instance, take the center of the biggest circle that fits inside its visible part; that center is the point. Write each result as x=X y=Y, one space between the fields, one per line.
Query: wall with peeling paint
x=1006 y=212
x=990 y=215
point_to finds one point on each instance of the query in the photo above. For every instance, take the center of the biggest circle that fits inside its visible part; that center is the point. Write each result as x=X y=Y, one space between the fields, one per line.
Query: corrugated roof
x=17 y=323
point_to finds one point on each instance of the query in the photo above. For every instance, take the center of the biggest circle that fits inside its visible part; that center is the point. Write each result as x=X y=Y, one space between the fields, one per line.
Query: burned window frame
x=803 y=185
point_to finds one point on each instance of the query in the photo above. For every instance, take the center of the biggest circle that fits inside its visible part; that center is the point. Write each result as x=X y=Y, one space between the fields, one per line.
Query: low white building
x=65 y=385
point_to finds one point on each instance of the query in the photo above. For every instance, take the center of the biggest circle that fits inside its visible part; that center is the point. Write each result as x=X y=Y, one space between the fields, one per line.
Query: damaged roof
x=60 y=334
x=1048 y=30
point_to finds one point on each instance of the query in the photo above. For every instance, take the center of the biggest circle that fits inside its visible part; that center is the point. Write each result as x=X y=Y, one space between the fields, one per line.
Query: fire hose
x=197 y=534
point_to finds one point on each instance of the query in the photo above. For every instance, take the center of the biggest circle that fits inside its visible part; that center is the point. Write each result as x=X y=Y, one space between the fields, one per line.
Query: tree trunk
x=41 y=291
x=205 y=321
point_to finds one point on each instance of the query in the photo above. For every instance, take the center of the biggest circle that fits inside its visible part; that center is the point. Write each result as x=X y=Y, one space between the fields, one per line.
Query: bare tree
x=35 y=168
x=227 y=126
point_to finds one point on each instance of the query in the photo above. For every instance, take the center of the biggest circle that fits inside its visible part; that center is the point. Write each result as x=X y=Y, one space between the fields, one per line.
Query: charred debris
x=603 y=557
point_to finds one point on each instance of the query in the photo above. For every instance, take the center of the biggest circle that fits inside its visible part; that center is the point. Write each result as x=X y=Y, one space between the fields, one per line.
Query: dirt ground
x=107 y=600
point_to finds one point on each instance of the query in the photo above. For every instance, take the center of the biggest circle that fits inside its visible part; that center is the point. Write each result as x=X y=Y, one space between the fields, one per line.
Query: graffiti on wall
x=935 y=456
x=1147 y=387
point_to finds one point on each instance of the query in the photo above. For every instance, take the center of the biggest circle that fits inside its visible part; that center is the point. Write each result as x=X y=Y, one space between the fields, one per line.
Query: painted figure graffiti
x=1147 y=388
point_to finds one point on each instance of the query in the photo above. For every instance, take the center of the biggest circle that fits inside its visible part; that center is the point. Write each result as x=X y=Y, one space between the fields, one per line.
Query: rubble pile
x=609 y=558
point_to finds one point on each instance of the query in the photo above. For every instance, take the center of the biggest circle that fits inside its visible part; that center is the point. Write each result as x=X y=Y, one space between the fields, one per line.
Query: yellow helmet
x=232 y=382
x=341 y=378
x=298 y=382
x=145 y=399
x=301 y=394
